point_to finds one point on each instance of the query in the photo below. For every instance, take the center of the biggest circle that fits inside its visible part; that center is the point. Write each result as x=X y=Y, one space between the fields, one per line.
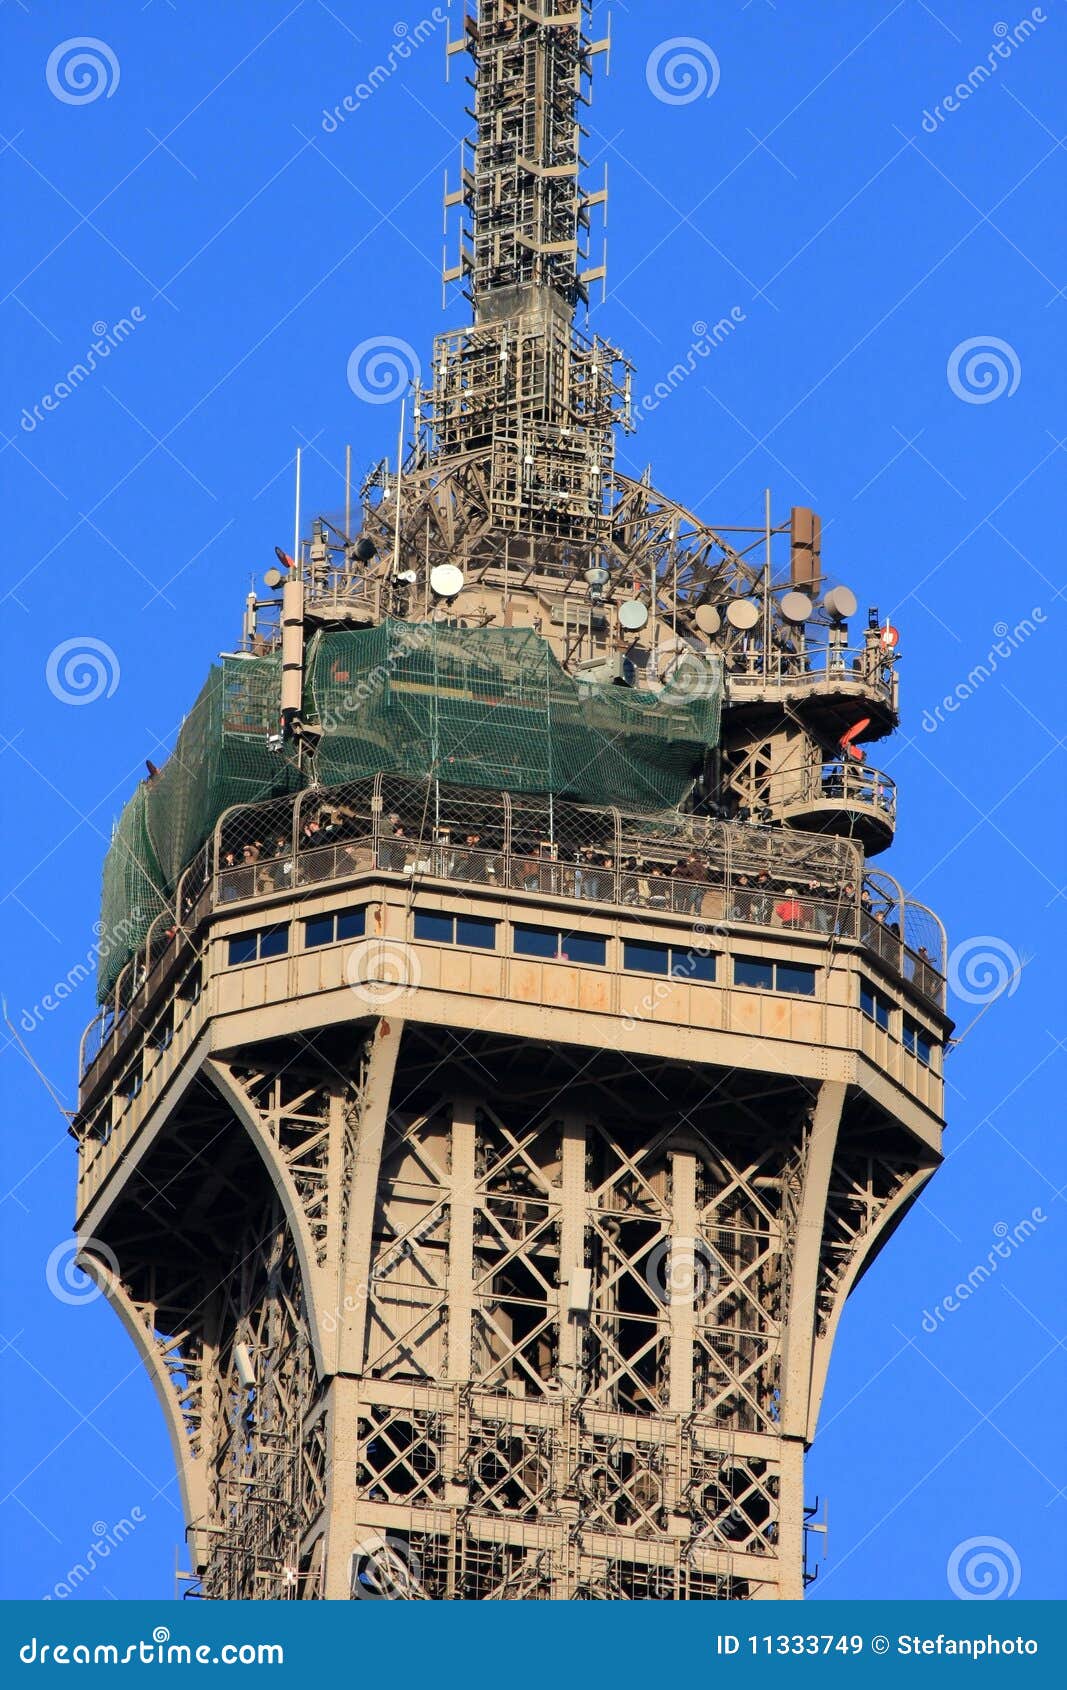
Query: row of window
x=882 y=1011
x=641 y=956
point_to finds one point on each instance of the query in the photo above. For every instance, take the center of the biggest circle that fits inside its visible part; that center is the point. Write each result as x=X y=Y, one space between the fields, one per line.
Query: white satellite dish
x=409 y=576
x=841 y=603
x=796 y=607
x=633 y=615
x=446 y=580
x=707 y=619
x=742 y=614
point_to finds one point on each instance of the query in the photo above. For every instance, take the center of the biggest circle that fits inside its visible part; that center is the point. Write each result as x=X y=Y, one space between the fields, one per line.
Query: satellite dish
x=707 y=619
x=796 y=607
x=890 y=637
x=363 y=550
x=409 y=576
x=633 y=615
x=742 y=614
x=841 y=603
x=446 y=580
x=274 y=578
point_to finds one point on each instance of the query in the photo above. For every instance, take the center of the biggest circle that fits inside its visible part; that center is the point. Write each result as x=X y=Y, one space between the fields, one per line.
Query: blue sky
x=864 y=234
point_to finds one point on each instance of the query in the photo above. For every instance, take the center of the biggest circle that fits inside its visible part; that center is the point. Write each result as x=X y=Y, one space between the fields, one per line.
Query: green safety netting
x=485 y=707
x=493 y=708
x=221 y=758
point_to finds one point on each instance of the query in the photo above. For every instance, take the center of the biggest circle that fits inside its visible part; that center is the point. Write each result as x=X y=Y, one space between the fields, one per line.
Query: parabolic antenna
x=633 y=615
x=742 y=614
x=841 y=603
x=707 y=619
x=409 y=576
x=446 y=580
x=274 y=578
x=796 y=607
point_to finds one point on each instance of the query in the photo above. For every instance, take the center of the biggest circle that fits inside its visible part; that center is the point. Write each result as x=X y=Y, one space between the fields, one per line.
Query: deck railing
x=713 y=873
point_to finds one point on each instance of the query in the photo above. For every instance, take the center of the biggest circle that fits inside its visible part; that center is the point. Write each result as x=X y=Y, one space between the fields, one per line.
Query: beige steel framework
x=481 y=1178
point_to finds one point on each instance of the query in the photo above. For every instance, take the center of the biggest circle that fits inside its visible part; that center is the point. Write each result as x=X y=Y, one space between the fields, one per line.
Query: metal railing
x=708 y=871
x=816 y=666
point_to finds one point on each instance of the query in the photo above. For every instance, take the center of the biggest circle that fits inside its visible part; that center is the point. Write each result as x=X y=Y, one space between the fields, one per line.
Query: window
x=876 y=1008
x=555 y=944
x=917 y=1042
x=257 y=947
x=339 y=924
x=753 y=971
x=455 y=929
x=797 y=978
x=682 y=964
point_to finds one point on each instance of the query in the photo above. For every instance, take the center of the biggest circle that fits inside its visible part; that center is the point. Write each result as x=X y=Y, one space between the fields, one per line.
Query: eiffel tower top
x=521 y=188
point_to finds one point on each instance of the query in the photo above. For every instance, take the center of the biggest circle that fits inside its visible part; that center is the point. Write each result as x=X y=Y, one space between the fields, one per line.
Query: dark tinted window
x=753 y=971
x=536 y=941
x=795 y=977
x=319 y=930
x=473 y=930
x=650 y=959
x=429 y=925
x=274 y=941
x=583 y=947
x=351 y=924
x=243 y=948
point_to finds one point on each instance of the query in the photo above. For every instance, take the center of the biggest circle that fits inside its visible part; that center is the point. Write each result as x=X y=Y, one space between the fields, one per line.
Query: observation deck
x=752 y=931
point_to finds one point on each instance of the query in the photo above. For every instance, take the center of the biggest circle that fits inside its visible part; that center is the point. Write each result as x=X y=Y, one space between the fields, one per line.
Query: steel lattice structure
x=482 y=1178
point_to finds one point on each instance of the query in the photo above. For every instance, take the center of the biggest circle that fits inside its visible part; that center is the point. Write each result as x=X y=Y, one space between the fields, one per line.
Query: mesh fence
x=221 y=758
x=483 y=708
x=493 y=708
